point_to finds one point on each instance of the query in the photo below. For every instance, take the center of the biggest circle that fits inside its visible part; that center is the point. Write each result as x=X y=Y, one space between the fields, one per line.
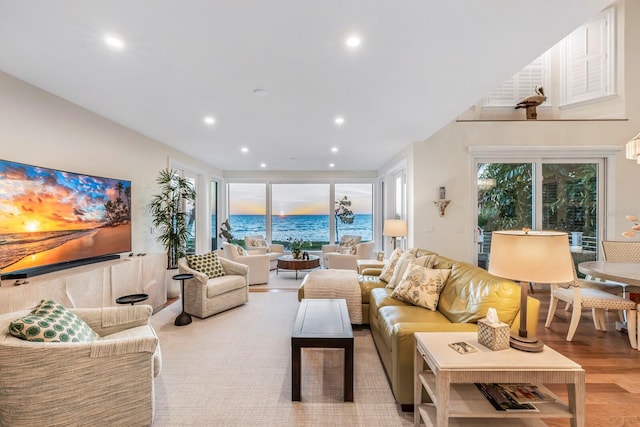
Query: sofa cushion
x=387 y=271
x=421 y=286
x=49 y=321
x=471 y=291
x=404 y=261
x=208 y=264
x=222 y=285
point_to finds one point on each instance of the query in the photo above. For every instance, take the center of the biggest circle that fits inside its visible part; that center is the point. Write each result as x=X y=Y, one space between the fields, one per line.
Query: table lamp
x=530 y=257
x=395 y=228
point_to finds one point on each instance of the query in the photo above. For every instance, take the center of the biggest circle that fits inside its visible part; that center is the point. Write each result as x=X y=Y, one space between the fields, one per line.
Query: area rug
x=234 y=369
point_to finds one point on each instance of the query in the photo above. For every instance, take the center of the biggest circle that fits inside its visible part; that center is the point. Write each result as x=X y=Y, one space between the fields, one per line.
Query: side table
x=449 y=380
x=132 y=299
x=183 y=318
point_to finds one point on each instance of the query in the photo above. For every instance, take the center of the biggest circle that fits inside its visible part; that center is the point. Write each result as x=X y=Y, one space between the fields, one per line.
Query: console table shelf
x=449 y=378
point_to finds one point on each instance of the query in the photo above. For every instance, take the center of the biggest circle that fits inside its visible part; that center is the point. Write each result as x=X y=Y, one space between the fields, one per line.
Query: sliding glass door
x=563 y=195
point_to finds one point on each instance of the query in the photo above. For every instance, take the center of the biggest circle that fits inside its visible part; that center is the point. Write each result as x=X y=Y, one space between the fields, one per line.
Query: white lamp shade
x=395 y=228
x=536 y=256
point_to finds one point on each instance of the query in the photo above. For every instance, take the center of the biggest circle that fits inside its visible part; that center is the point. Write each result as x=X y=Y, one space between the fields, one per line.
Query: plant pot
x=296 y=255
x=173 y=286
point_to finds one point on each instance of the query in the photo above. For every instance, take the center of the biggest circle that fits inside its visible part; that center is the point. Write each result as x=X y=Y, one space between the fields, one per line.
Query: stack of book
x=515 y=397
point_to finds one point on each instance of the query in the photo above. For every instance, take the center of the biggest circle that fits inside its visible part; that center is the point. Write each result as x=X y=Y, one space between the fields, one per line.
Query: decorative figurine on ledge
x=531 y=102
x=225 y=231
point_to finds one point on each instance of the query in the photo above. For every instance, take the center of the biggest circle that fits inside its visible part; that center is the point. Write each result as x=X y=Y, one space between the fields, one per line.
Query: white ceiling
x=421 y=63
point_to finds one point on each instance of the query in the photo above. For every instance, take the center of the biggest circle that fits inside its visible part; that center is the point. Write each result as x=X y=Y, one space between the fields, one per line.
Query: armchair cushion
x=49 y=321
x=208 y=264
x=348 y=244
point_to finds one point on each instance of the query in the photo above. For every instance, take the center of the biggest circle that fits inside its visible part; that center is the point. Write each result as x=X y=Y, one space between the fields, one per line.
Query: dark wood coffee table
x=322 y=323
x=287 y=262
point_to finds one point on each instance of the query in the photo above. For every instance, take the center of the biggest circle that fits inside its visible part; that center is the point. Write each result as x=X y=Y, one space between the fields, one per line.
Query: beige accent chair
x=254 y=245
x=107 y=381
x=258 y=263
x=338 y=260
x=204 y=297
x=584 y=294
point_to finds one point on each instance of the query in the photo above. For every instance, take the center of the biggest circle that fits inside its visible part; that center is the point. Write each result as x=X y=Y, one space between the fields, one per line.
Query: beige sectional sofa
x=469 y=292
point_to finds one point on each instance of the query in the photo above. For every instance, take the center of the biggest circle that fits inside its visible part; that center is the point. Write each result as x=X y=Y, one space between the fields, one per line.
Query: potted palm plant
x=169 y=215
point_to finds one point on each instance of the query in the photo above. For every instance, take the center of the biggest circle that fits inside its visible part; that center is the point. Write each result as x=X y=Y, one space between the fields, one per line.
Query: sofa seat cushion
x=471 y=291
x=224 y=284
x=367 y=283
x=381 y=297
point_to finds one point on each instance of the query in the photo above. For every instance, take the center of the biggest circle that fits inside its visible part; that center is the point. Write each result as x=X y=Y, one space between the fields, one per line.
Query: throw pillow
x=387 y=271
x=208 y=264
x=49 y=321
x=404 y=261
x=347 y=245
x=421 y=286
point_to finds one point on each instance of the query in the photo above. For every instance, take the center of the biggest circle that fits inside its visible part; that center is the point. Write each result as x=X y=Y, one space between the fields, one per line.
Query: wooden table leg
x=296 y=370
x=348 y=371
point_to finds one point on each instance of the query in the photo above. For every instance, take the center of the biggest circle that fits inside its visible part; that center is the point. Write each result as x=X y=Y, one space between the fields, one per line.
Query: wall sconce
x=443 y=202
x=633 y=148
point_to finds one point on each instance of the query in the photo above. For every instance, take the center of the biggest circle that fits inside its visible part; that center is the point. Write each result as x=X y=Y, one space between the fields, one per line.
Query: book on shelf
x=528 y=393
x=501 y=400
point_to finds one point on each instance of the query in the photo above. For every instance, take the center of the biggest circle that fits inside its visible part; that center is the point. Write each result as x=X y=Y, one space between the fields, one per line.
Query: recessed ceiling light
x=339 y=120
x=263 y=165
x=353 y=41
x=334 y=149
x=260 y=92
x=331 y=165
x=114 y=42
x=244 y=149
x=209 y=120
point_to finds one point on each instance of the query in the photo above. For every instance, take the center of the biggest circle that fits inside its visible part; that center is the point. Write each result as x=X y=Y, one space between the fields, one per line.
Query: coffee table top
x=322 y=318
x=290 y=258
x=436 y=344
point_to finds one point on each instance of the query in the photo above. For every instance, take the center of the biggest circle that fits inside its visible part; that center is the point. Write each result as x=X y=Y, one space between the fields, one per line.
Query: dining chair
x=580 y=294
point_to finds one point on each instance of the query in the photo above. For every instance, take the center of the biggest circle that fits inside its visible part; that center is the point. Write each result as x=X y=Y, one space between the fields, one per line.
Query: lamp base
x=530 y=344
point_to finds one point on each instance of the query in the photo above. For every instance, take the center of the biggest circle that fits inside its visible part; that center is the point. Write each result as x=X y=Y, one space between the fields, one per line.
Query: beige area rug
x=285 y=280
x=234 y=369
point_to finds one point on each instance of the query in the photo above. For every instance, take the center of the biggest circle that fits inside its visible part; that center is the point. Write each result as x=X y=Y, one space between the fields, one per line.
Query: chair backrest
x=254 y=241
x=230 y=251
x=620 y=251
x=365 y=250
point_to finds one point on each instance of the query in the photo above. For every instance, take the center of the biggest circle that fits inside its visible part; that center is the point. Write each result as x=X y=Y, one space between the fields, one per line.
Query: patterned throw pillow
x=421 y=286
x=347 y=245
x=404 y=261
x=387 y=271
x=241 y=251
x=49 y=321
x=208 y=264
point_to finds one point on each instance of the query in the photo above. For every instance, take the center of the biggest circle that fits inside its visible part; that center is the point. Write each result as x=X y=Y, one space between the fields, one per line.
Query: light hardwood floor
x=612 y=367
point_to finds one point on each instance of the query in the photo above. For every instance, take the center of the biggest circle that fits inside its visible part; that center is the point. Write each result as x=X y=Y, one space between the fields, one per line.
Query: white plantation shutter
x=587 y=73
x=521 y=84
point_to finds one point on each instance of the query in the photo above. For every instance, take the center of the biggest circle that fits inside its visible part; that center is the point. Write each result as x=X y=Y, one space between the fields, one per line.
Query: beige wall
x=41 y=129
x=444 y=159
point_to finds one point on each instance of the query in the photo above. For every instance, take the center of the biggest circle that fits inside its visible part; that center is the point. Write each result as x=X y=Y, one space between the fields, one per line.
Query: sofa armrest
x=329 y=248
x=277 y=247
x=342 y=261
x=256 y=251
x=233 y=267
x=142 y=339
x=183 y=268
x=371 y=271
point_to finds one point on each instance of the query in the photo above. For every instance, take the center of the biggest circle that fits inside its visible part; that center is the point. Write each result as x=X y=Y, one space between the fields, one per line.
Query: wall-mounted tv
x=52 y=219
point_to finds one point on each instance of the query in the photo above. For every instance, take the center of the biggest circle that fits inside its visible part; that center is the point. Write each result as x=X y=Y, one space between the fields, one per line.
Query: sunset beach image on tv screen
x=50 y=217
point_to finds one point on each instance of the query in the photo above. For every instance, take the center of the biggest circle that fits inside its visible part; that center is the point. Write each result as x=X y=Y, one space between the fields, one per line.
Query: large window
x=300 y=211
x=359 y=198
x=543 y=195
x=247 y=210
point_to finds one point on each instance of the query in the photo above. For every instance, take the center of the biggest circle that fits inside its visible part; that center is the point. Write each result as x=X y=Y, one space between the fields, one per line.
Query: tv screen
x=51 y=219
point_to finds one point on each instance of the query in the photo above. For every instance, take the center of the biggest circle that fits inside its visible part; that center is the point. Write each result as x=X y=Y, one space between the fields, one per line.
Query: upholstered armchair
x=107 y=381
x=257 y=244
x=204 y=296
x=348 y=261
x=258 y=263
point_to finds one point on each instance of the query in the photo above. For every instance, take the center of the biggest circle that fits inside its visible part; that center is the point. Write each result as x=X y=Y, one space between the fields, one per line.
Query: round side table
x=132 y=299
x=183 y=318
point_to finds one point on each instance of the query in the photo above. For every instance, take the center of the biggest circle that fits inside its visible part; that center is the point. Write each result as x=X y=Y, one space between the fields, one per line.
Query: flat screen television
x=52 y=219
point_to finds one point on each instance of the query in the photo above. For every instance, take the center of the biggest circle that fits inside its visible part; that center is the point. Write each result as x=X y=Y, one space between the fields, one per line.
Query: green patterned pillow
x=421 y=286
x=208 y=264
x=51 y=322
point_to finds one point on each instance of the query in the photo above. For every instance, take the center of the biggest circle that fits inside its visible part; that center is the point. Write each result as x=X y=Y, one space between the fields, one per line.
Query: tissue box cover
x=495 y=337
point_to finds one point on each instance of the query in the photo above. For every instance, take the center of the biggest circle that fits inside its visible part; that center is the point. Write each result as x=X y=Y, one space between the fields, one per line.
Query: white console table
x=91 y=285
x=450 y=376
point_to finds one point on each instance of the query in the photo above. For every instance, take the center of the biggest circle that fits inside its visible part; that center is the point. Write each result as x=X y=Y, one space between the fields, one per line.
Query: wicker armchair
x=109 y=381
x=204 y=297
